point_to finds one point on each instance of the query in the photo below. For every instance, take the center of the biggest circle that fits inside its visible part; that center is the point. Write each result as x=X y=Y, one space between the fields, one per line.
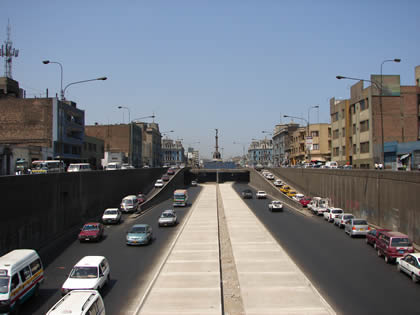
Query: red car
x=92 y=231
x=392 y=245
x=141 y=198
x=171 y=171
x=305 y=201
x=373 y=235
x=165 y=178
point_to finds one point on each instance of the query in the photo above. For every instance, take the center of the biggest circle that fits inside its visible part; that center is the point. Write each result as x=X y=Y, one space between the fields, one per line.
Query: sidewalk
x=189 y=282
x=270 y=282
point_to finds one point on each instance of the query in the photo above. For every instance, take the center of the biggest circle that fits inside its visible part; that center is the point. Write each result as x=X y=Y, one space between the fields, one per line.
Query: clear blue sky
x=198 y=65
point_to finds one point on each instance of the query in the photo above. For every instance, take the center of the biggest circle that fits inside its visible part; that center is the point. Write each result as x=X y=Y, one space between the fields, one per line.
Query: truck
x=113 y=158
x=180 y=198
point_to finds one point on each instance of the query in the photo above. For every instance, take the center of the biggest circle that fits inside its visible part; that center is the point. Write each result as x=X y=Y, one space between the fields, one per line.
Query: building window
x=336 y=151
x=354 y=129
x=334 y=117
x=353 y=109
x=315 y=133
x=364 y=147
x=343 y=132
x=316 y=146
x=343 y=150
x=335 y=134
x=363 y=105
x=354 y=148
x=364 y=125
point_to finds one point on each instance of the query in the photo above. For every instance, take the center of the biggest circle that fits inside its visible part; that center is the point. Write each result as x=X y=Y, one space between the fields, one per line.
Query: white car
x=333 y=213
x=159 y=183
x=261 y=194
x=111 y=215
x=270 y=176
x=410 y=264
x=168 y=217
x=340 y=219
x=275 y=205
x=277 y=183
x=298 y=197
x=90 y=273
x=129 y=203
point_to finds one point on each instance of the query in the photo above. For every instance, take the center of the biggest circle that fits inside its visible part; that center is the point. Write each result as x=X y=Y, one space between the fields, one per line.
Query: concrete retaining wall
x=387 y=199
x=37 y=209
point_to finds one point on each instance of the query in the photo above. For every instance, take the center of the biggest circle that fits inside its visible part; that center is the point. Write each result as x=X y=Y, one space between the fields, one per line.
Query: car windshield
x=111 y=212
x=167 y=215
x=4 y=284
x=360 y=222
x=276 y=202
x=138 y=229
x=90 y=227
x=337 y=211
x=400 y=241
x=348 y=217
x=84 y=272
x=127 y=202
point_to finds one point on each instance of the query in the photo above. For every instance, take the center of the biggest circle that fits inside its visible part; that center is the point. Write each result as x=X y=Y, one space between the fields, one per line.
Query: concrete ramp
x=270 y=282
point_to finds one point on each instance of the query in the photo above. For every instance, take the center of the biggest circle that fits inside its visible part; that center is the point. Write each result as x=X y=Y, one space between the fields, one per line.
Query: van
x=21 y=274
x=129 y=204
x=331 y=164
x=79 y=167
x=79 y=302
x=393 y=245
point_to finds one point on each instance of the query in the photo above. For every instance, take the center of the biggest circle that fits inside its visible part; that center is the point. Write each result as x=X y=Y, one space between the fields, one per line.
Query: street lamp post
x=265 y=143
x=307 y=128
x=83 y=81
x=45 y=62
x=309 y=136
x=130 y=149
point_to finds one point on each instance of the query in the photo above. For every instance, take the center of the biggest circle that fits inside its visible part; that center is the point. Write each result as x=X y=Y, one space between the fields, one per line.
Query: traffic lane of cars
x=345 y=270
x=129 y=266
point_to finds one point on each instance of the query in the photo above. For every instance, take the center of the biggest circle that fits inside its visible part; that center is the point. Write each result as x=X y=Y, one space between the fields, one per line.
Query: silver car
x=342 y=218
x=168 y=217
x=356 y=226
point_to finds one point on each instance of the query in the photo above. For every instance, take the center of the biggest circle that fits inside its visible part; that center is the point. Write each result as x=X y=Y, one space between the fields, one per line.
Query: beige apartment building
x=340 y=127
x=319 y=150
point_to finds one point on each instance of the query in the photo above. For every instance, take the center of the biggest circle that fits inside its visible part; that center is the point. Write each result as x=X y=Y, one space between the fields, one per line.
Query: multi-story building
x=93 y=151
x=297 y=146
x=400 y=123
x=341 y=129
x=152 y=144
x=172 y=152
x=193 y=157
x=56 y=126
x=281 y=143
x=125 y=138
x=261 y=152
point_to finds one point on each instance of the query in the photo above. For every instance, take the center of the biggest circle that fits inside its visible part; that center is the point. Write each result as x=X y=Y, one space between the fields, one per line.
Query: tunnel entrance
x=218 y=175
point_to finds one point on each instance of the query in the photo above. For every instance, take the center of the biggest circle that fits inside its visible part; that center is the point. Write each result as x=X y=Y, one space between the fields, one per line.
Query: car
x=270 y=176
x=139 y=234
x=392 y=245
x=89 y=273
x=141 y=198
x=111 y=215
x=126 y=166
x=168 y=217
x=356 y=227
x=291 y=193
x=129 y=203
x=277 y=183
x=247 y=194
x=79 y=302
x=170 y=171
x=410 y=264
x=194 y=183
x=261 y=194
x=275 y=205
x=285 y=189
x=373 y=235
x=92 y=231
x=159 y=183
x=298 y=197
x=305 y=201
x=340 y=219
x=332 y=213
x=165 y=177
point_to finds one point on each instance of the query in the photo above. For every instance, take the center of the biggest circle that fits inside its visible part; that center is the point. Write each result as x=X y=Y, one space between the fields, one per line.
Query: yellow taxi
x=285 y=189
x=291 y=193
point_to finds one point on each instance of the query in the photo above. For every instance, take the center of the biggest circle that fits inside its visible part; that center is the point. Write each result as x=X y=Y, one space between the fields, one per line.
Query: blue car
x=139 y=234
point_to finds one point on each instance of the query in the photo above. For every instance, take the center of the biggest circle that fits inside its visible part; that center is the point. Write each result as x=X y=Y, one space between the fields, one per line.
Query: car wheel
x=374 y=245
x=414 y=278
x=378 y=252
x=367 y=241
x=399 y=268
x=387 y=260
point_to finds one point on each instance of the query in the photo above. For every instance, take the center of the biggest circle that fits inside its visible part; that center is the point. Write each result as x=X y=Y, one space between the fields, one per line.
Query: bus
x=46 y=167
x=180 y=198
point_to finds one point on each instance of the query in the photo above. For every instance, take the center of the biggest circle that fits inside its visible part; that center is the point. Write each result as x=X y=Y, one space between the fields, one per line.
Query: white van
x=21 y=274
x=331 y=164
x=79 y=167
x=81 y=302
x=113 y=166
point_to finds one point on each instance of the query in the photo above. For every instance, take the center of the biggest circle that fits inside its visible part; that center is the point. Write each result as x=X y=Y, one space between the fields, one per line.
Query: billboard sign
x=309 y=143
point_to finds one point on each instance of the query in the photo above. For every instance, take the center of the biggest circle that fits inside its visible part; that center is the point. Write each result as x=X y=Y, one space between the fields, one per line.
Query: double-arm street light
x=63 y=91
x=307 y=131
x=129 y=114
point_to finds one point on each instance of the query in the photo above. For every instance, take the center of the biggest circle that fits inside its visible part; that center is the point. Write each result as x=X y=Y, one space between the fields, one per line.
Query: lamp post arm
x=83 y=81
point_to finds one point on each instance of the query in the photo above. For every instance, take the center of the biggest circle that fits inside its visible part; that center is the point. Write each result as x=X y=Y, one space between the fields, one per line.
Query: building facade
x=93 y=151
x=340 y=128
x=261 y=152
x=281 y=143
x=151 y=144
x=173 y=152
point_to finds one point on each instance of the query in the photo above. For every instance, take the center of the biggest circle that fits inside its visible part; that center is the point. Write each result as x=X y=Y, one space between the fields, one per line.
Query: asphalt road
x=130 y=266
x=345 y=270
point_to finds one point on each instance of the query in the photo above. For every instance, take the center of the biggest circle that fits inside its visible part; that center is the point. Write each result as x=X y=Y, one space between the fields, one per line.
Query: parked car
x=247 y=194
x=90 y=273
x=305 y=201
x=285 y=189
x=79 y=302
x=332 y=213
x=168 y=217
x=170 y=171
x=298 y=197
x=165 y=177
x=277 y=183
x=341 y=219
x=373 y=235
x=356 y=226
x=291 y=193
x=261 y=194
x=392 y=245
x=139 y=234
x=92 y=231
x=129 y=203
x=410 y=264
x=141 y=198
x=159 y=183
x=275 y=205
x=270 y=176
x=111 y=215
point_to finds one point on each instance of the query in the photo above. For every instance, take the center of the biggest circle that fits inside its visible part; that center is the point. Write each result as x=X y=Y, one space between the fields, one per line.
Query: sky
x=234 y=65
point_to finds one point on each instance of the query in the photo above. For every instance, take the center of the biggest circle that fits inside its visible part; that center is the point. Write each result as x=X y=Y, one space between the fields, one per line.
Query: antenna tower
x=8 y=52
